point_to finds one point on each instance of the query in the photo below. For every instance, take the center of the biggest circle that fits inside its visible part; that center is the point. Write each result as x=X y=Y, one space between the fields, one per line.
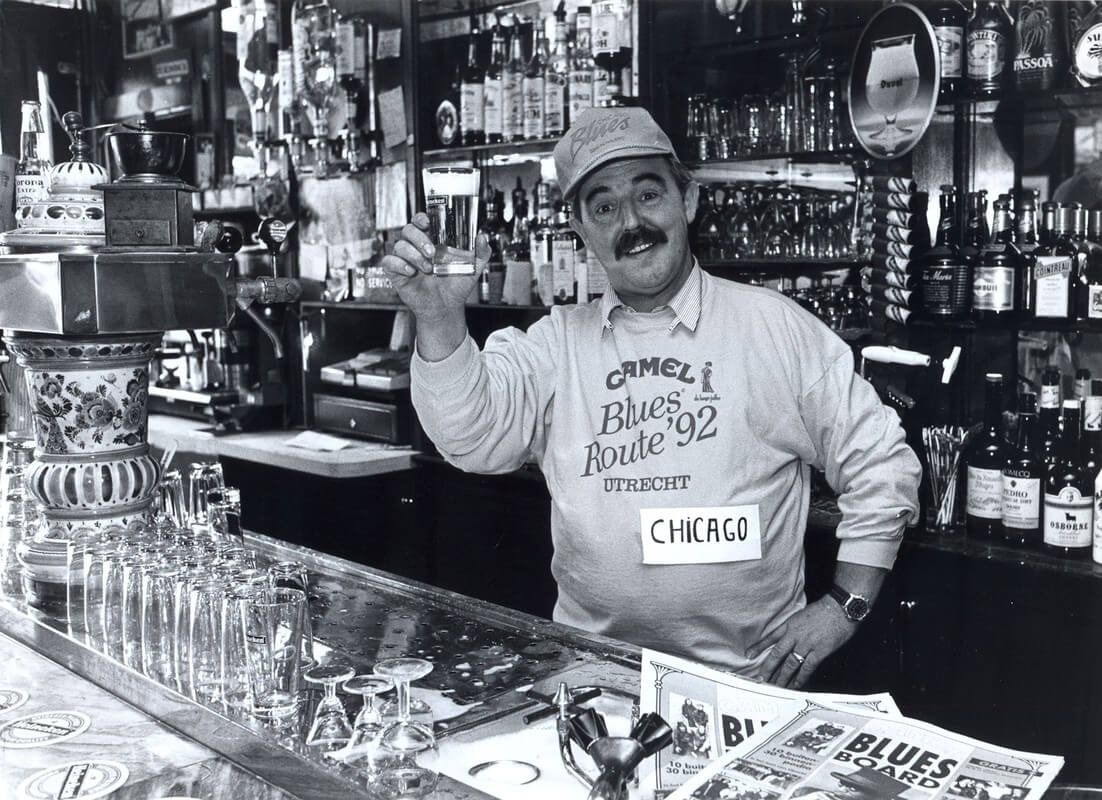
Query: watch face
x=856 y=608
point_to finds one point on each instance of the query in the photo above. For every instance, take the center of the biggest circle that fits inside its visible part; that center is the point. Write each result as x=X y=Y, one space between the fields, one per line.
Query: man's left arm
x=861 y=447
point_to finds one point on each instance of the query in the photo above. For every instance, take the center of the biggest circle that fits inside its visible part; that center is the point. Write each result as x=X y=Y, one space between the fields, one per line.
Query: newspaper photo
x=712 y=711
x=834 y=752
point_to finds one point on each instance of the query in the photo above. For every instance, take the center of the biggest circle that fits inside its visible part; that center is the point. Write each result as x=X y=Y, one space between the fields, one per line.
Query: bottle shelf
x=529 y=147
x=790 y=264
x=792 y=157
x=921 y=320
x=358 y=305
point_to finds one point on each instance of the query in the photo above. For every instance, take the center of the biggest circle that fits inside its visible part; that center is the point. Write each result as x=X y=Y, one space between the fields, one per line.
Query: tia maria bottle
x=946 y=277
x=1023 y=479
x=986 y=460
x=1069 y=493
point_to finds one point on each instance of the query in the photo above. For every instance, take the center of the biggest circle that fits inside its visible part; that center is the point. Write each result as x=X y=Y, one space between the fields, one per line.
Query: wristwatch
x=854 y=606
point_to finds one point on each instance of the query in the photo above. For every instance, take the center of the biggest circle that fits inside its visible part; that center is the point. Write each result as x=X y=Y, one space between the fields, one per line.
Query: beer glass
x=158 y=631
x=235 y=657
x=205 y=640
x=451 y=202
x=891 y=85
x=293 y=575
x=168 y=500
x=272 y=623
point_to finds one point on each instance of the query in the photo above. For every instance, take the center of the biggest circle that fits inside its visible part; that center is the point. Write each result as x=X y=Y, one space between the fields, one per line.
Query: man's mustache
x=637 y=236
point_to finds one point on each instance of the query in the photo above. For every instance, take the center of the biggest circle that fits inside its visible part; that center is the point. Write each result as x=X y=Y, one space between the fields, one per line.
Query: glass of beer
x=451 y=201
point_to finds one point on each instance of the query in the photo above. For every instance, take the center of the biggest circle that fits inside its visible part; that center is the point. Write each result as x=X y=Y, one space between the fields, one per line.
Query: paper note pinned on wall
x=390 y=44
x=392 y=111
x=390 y=196
x=313 y=261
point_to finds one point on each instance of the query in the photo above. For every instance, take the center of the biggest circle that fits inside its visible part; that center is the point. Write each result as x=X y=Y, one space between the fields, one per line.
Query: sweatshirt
x=677 y=431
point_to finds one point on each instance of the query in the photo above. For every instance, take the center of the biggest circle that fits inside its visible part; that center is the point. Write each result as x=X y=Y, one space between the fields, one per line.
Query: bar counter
x=485 y=659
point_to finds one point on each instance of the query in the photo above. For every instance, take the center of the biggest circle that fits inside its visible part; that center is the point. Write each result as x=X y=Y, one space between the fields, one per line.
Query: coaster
x=43 y=728
x=81 y=780
x=11 y=699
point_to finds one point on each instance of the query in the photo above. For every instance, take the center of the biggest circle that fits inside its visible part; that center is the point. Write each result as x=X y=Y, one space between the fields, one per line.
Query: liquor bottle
x=534 y=77
x=539 y=237
x=1069 y=493
x=1023 y=476
x=563 y=279
x=494 y=88
x=32 y=171
x=1038 y=59
x=1049 y=418
x=472 y=93
x=580 y=88
x=1092 y=428
x=945 y=275
x=611 y=45
x=1047 y=234
x=258 y=62
x=949 y=20
x=996 y=270
x=352 y=72
x=518 y=226
x=1085 y=47
x=1086 y=253
x=1090 y=279
x=1025 y=237
x=555 y=79
x=513 y=86
x=1081 y=388
x=988 y=44
x=986 y=459
x=1052 y=271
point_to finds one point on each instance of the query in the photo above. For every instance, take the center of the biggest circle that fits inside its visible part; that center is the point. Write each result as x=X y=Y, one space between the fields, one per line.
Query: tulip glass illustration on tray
x=894 y=82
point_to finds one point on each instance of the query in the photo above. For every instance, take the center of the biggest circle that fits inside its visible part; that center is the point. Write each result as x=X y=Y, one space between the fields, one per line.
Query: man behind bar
x=675 y=421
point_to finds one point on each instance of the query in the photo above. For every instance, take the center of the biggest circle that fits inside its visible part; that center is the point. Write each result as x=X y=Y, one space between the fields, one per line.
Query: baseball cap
x=600 y=135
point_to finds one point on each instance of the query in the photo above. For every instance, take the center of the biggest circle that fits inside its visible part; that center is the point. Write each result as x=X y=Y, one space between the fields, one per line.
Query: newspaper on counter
x=834 y=752
x=712 y=711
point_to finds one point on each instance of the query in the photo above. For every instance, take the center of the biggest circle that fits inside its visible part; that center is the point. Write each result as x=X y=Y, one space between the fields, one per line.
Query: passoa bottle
x=989 y=39
x=949 y=20
x=945 y=275
x=1069 y=493
x=986 y=460
x=472 y=93
x=994 y=277
x=1023 y=479
x=1038 y=59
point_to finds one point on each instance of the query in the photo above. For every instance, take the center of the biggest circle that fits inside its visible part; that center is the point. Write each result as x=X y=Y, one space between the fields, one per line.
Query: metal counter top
x=485 y=656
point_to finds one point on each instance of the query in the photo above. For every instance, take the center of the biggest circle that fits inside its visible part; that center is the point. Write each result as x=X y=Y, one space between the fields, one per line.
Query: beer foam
x=450 y=182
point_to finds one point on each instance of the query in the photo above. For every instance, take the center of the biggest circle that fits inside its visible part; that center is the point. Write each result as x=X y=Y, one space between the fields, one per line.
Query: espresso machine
x=236 y=376
x=84 y=311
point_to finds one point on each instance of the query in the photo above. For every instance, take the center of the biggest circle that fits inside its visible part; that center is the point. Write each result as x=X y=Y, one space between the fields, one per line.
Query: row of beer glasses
x=806 y=116
x=754 y=221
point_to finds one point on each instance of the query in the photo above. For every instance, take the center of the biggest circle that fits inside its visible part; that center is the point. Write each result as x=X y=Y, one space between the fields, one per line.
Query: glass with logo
x=451 y=202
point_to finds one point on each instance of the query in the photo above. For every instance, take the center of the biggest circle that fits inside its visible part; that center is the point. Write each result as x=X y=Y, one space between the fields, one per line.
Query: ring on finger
x=799 y=659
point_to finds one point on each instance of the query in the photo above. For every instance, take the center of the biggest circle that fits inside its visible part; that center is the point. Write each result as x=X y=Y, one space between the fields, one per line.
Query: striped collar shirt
x=685 y=305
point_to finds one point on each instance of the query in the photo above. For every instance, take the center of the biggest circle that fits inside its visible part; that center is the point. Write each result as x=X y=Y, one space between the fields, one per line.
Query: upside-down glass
x=451 y=202
x=294 y=575
x=78 y=543
x=236 y=689
x=405 y=735
x=158 y=624
x=202 y=480
x=363 y=749
x=169 y=500
x=133 y=568
x=330 y=728
x=205 y=639
x=273 y=621
x=697 y=127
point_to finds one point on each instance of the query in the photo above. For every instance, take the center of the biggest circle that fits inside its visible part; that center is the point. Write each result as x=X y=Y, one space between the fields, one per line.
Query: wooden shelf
x=789 y=264
x=794 y=157
x=357 y=305
x=525 y=147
